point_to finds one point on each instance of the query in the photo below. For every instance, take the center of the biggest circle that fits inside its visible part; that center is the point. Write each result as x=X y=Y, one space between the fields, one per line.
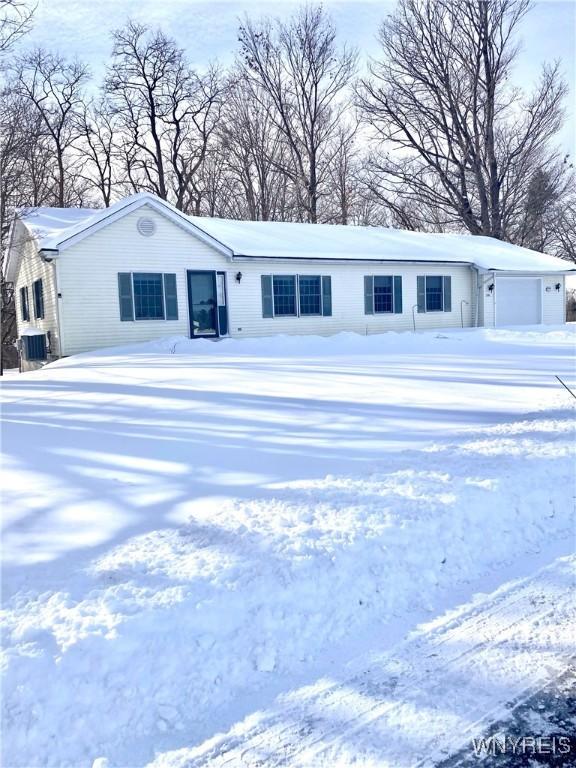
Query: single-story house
x=141 y=269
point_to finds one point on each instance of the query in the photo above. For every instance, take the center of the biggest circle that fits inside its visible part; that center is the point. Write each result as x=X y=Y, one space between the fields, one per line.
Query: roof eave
x=551 y=271
x=332 y=260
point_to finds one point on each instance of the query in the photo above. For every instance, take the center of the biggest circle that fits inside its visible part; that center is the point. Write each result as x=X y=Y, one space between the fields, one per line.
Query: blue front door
x=203 y=304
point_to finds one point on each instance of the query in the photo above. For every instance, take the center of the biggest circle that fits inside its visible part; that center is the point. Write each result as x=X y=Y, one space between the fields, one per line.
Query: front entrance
x=207 y=304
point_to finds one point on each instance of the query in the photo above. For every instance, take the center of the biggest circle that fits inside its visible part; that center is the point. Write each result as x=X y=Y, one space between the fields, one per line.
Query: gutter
x=542 y=272
x=58 y=318
x=48 y=254
x=328 y=260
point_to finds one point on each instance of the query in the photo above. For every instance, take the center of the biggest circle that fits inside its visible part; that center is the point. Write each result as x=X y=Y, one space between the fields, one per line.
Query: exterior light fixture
x=558 y=286
x=491 y=287
x=238 y=277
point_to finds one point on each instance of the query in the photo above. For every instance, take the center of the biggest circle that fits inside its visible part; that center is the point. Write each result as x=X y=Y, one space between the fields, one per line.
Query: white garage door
x=518 y=301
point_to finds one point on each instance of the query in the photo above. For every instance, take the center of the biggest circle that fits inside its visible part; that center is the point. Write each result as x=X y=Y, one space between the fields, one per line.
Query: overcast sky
x=208 y=31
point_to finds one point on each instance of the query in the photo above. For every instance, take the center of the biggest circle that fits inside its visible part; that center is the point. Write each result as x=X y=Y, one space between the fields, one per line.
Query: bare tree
x=56 y=88
x=255 y=151
x=15 y=21
x=167 y=112
x=299 y=69
x=344 y=178
x=565 y=229
x=98 y=131
x=456 y=136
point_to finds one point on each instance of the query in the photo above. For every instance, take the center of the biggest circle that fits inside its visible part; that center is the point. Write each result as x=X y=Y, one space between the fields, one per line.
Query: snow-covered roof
x=48 y=223
x=54 y=227
x=283 y=240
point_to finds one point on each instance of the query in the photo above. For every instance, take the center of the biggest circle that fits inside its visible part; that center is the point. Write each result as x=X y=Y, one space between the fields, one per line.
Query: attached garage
x=518 y=301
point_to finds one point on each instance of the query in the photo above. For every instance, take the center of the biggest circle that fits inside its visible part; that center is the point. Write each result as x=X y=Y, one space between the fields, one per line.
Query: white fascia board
x=162 y=207
x=526 y=272
x=366 y=260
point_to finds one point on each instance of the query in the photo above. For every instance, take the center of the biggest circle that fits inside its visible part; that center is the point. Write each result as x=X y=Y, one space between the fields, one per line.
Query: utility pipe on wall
x=462 y=311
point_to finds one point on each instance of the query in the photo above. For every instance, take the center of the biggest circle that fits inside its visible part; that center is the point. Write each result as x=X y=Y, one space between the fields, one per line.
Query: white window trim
x=393 y=310
x=433 y=311
x=148 y=319
x=311 y=314
x=297 y=295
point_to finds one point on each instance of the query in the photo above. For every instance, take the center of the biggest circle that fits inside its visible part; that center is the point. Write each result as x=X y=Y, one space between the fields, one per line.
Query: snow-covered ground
x=193 y=527
x=424 y=698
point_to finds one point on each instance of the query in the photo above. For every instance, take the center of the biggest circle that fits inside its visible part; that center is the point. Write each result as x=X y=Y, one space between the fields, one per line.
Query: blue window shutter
x=327 y=295
x=25 y=312
x=397 y=295
x=368 y=295
x=421 y=293
x=447 y=294
x=170 y=297
x=38 y=296
x=125 y=296
x=267 y=300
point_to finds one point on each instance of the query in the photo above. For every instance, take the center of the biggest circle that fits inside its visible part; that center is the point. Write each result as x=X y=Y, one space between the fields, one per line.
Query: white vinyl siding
x=347 y=299
x=88 y=280
x=33 y=268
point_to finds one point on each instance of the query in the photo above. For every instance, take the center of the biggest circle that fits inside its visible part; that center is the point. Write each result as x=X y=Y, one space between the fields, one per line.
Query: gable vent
x=146 y=226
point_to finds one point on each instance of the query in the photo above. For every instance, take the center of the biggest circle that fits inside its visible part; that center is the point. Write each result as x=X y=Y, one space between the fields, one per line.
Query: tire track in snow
x=423 y=699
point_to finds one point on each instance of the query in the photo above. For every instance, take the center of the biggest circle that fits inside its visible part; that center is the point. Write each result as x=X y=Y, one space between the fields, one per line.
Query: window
x=147 y=296
x=383 y=301
x=24 y=307
x=38 y=295
x=284 y=294
x=382 y=293
x=310 y=292
x=296 y=295
x=434 y=293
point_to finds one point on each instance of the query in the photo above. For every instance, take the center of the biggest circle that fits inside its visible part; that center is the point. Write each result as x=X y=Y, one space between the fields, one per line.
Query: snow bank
x=348 y=343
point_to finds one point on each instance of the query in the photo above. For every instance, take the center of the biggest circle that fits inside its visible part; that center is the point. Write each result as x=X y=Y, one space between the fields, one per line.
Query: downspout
x=479 y=284
x=58 y=318
x=482 y=282
x=50 y=256
x=494 y=301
